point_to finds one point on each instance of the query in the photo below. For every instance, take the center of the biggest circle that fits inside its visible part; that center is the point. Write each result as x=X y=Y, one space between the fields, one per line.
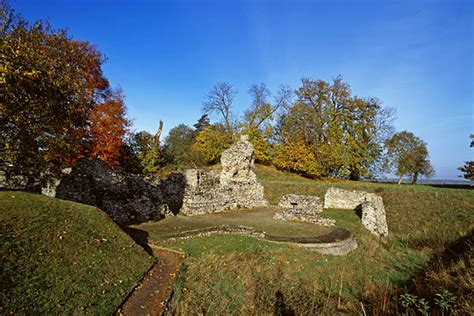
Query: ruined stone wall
x=345 y=199
x=235 y=187
x=124 y=197
x=370 y=206
x=309 y=203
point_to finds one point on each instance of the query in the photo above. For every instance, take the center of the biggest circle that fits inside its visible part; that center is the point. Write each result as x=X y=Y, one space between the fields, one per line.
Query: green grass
x=232 y=274
x=60 y=257
x=259 y=218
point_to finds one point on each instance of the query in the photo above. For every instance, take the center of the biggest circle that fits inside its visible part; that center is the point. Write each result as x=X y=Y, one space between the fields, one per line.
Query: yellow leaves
x=297 y=157
x=210 y=143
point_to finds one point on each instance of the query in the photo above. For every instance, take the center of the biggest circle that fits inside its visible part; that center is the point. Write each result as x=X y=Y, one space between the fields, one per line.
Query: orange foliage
x=108 y=126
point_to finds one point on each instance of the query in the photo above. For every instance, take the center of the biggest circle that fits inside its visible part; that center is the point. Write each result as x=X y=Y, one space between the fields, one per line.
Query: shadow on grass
x=449 y=269
x=280 y=307
x=140 y=237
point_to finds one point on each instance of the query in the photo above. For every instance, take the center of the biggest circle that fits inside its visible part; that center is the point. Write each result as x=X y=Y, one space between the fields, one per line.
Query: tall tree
x=202 y=123
x=152 y=157
x=220 y=100
x=108 y=127
x=50 y=83
x=408 y=155
x=178 y=144
x=468 y=168
x=344 y=132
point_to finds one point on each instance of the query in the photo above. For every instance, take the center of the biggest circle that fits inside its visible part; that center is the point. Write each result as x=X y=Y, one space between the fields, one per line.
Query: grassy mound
x=233 y=274
x=63 y=257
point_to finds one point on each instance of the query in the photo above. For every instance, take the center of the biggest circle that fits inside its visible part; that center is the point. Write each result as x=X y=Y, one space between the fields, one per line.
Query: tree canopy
x=468 y=168
x=408 y=155
x=55 y=103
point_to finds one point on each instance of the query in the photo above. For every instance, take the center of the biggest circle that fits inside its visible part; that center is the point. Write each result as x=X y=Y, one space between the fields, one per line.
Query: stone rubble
x=300 y=215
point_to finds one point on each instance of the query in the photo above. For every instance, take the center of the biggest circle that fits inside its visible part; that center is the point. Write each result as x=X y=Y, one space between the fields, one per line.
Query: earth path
x=152 y=294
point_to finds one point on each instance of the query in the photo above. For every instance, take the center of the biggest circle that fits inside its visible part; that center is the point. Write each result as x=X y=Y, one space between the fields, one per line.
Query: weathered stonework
x=13 y=179
x=345 y=199
x=370 y=206
x=373 y=215
x=299 y=215
x=235 y=187
x=124 y=197
x=306 y=202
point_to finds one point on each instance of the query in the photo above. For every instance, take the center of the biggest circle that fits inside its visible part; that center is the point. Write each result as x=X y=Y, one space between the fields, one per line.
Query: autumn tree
x=50 y=83
x=297 y=157
x=108 y=127
x=408 y=155
x=220 y=100
x=210 y=143
x=345 y=133
x=468 y=168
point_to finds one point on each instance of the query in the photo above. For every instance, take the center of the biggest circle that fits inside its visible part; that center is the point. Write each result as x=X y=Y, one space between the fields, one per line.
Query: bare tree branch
x=219 y=100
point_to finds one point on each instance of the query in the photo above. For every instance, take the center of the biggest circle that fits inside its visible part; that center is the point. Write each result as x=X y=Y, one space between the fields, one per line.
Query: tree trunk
x=414 y=178
x=354 y=176
x=400 y=180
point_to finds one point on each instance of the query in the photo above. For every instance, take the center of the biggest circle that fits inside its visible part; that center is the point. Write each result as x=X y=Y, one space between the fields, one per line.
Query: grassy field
x=233 y=274
x=60 y=257
x=259 y=218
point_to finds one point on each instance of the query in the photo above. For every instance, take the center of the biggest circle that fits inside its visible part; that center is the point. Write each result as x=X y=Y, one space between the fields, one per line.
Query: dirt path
x=151 y=295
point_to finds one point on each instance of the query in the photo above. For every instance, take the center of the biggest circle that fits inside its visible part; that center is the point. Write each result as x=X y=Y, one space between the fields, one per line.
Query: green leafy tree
x=345 y=133
x=408 y=155
x=468 y=168
x=202 y=123
x=178 y=145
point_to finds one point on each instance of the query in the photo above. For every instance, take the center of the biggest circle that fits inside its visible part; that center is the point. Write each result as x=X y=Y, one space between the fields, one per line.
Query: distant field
x=60 y=257
x=233 y=274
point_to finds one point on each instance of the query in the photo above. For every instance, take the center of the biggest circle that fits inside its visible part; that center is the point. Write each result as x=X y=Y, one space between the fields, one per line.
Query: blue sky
x=416 y=56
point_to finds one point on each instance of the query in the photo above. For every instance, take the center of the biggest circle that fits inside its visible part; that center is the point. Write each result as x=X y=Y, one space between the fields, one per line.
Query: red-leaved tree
x=108 y=127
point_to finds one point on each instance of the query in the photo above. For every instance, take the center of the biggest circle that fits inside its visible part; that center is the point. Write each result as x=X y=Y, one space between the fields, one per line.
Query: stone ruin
x=235 y=187
x=303 y=208
x=307 y=202
x=369 y=205
x=306 y=208
x=124 y=197
x=129 y=197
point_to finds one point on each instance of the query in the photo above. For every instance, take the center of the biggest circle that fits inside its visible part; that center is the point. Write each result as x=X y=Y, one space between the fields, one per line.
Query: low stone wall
x=345 y=199
x=338 y=242
x=308 y=203
x=370 y=206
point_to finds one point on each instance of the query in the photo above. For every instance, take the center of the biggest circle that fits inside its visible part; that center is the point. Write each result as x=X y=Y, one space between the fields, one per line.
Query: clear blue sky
x=416 y=56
